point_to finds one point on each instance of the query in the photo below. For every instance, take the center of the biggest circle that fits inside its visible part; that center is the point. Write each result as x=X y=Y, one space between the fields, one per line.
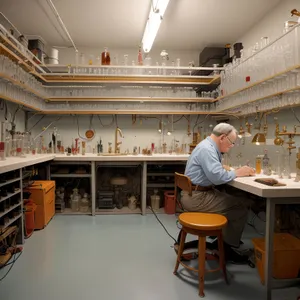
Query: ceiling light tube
x=153 y=23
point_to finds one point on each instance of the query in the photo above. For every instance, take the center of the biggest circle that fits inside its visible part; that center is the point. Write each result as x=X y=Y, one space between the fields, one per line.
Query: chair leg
x=222 y=257
x=201 y=263
x=180 y=250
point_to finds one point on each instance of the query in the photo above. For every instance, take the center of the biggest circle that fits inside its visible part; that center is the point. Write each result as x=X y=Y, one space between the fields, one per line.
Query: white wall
x=272 y=24
x=138 y=134
x=20 y=116
x=250 y=151
x=67 y=56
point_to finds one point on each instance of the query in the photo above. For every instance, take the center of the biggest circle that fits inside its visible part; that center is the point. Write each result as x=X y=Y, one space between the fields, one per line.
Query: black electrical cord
x=11 y=265
x=163 y=226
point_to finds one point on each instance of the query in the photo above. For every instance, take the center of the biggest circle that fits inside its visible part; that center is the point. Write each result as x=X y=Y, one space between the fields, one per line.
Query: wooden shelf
x=132 y=99
x=130 y=79
x=19 y=102
x=260 y=82
x=22 y=85
x=265 y=97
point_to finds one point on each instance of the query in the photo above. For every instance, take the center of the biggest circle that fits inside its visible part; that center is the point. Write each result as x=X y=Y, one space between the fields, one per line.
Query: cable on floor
x=14 y=259
x=163 y=226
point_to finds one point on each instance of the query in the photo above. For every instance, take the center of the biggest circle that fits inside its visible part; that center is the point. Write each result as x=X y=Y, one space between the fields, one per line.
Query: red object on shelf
x=170 y=203
x=248 y=78
x=30 y=208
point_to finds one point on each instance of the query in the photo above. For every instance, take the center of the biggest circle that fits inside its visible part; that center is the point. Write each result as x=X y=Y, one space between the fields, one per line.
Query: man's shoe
x=233 y=256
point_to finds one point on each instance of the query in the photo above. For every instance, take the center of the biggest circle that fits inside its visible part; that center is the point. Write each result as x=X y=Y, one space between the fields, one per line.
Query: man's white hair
x=223 y=128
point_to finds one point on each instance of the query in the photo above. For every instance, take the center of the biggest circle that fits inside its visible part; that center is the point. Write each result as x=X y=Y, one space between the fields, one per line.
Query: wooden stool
x=202 y=225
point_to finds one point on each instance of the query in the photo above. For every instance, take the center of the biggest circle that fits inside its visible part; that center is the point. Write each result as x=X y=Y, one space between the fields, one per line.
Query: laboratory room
x=149 y=149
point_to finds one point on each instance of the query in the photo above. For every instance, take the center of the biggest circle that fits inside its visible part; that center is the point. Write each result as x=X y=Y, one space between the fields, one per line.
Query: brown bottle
x=105 y=57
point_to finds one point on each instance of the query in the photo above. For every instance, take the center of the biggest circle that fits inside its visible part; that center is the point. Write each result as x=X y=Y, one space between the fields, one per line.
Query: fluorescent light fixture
x=153 y=23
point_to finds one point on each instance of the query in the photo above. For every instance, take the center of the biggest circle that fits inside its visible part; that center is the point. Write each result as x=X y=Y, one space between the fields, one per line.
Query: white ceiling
x=187 y=25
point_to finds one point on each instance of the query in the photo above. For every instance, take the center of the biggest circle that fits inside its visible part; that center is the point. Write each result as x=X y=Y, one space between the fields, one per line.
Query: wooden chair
x=201 y=225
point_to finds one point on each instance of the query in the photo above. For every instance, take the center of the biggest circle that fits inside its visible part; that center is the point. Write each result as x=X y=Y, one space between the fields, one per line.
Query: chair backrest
x=183 y=182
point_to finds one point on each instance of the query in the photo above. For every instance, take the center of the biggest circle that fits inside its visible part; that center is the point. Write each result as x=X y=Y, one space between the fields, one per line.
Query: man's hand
x=227 y=168
x=244 y=171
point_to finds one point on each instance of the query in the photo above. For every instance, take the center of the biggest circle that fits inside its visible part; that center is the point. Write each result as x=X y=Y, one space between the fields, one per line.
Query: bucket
x=155 y=202
x=52 y=58
x=30 y=208
x=170 y=203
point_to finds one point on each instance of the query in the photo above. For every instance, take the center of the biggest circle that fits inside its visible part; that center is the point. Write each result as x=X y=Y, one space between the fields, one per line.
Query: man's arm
x=213 y=168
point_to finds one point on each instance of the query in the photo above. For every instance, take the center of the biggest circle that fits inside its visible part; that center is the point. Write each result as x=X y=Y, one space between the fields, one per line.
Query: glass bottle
x=258 y=164
x=140 y=57
x=266 y=164
x=105 y=57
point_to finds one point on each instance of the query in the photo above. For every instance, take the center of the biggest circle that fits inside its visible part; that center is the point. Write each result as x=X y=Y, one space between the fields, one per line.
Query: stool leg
x=180 y=250
x=201 y=263
x=221 y=256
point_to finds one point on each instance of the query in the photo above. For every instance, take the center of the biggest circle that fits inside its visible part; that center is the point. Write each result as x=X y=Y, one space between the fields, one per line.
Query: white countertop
x=292 y=188
x=14 y=163
x=139 y=157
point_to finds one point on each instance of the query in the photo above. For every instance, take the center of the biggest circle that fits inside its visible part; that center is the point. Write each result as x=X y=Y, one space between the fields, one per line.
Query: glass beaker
x=285 y=166
x=258 y=165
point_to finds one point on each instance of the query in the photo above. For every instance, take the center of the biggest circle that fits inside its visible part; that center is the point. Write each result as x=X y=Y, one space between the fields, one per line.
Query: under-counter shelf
x=9 y=209
x=160 y=174
x=160 y=185
x=115 y=211
x=2 y=227
x=71 y=175
x=9 y=195
x=69 y=211
x=9 y=181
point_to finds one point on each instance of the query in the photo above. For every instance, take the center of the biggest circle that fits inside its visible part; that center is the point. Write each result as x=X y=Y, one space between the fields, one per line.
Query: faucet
x=117 y=148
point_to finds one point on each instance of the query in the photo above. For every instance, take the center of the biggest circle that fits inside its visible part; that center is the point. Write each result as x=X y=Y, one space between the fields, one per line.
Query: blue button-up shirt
x=204 y=165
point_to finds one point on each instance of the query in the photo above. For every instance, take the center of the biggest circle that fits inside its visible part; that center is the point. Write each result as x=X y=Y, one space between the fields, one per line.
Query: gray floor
x=116 y=257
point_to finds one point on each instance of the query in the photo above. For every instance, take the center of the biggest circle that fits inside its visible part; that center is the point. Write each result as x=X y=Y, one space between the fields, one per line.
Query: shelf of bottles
x=25 y=80
x=268 y=78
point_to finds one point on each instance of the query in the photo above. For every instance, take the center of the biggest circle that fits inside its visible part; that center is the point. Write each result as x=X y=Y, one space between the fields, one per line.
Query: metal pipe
x=62 y=23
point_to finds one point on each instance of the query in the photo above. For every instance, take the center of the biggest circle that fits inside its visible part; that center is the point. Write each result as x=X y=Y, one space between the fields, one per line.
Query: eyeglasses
x=230 y=141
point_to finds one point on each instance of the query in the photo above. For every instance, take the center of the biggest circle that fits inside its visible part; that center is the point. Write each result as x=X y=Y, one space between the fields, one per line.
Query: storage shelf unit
x=12 y=203
x=9 y=182
x=62 y=178
x=11 y=221
x=68 y=76
x=9 y=195
x=71 y=175
x=9 y=209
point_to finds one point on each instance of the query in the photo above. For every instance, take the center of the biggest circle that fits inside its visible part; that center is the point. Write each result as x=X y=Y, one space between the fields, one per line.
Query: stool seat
x=202 y=221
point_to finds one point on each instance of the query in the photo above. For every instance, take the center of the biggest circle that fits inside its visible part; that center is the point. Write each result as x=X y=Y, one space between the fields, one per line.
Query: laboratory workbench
x=14 y=163
x=288 y=194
